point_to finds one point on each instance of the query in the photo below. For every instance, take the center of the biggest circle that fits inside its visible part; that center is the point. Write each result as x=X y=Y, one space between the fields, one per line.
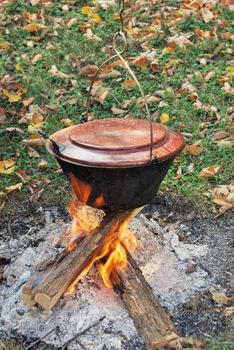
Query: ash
x=181 y=255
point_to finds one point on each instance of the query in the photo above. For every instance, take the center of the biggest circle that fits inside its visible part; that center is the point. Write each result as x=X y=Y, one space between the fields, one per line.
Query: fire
x=117 y=257
x=112 y=254
x=81 y=189
x=82 y=192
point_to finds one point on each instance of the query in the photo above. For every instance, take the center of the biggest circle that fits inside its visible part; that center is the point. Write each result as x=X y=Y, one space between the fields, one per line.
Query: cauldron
x=112 y=159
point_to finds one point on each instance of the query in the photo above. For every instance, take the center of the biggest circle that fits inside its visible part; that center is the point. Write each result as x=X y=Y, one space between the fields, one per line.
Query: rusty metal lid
x=115 y=143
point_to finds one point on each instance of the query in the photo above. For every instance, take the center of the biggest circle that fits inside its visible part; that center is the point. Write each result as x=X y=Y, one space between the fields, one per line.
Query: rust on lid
x=116 y=143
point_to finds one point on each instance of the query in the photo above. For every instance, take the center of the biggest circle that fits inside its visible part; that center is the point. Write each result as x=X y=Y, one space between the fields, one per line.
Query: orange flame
x=84 y=220
x=114 y=250
x=81 y=189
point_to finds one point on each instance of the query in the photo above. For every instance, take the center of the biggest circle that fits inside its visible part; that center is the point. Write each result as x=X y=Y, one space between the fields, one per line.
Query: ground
x=182 y=54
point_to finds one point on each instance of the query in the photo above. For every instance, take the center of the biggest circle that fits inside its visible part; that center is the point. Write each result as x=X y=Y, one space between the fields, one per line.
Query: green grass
x=71 y=49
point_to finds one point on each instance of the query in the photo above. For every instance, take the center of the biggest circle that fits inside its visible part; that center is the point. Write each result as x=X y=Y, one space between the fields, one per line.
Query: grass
x=67 y=48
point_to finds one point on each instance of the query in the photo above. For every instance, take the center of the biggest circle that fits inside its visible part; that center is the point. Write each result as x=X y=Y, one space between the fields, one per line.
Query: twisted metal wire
x=119 y=53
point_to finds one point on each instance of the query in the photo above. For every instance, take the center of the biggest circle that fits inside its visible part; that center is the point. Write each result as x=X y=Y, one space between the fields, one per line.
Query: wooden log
x=49 y=285
x=151 y=320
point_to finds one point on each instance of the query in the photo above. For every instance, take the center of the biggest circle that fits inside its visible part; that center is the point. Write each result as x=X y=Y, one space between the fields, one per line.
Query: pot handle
x=119 y=55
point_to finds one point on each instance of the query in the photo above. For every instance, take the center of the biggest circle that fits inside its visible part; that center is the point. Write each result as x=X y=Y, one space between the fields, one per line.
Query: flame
x=114 y=251
x=81 y=189
x=111 y=255
x=82 y=192
x=99 y=201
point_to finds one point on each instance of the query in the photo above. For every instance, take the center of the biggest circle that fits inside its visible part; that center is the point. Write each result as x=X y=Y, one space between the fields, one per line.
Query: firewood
x=151 y=320
x=49 y=285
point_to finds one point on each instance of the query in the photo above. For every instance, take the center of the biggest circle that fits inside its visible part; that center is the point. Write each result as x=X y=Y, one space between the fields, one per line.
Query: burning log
x=151 y=320
x=62 y=272
x=48 y=285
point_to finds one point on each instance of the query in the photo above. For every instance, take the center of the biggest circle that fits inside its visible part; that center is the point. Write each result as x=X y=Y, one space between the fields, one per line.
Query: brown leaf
x=223 y=196
x=117 y=111
x=219 y=135
x=17 y=186
x=193 y=150
x=36 y=58
x=154 y=66
x=88 y=71
x=71 y=22
x=28 y=101
x=209 y=75
x=129 y=84
x=56 y=73
x=210 y=171
x=21 y=173
x=34 y=141
x=102 y=94
x=220 y=297
x=92 y=37
x=141 y=62
x=33 y=153
x=224 y=143
x=33 y=27
x=114 y=73
x=207 y=14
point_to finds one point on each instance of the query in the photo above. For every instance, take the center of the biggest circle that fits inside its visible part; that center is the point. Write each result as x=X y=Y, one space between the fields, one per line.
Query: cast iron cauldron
x=108 y=161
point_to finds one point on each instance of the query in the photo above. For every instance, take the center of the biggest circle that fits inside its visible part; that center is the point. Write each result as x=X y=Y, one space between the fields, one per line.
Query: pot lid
x=115 y=142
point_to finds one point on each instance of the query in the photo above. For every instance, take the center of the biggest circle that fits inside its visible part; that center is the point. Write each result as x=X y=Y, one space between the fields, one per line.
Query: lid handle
x=126 y=65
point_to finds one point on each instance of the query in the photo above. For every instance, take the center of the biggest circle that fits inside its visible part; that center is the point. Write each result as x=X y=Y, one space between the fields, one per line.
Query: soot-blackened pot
x=108 y=160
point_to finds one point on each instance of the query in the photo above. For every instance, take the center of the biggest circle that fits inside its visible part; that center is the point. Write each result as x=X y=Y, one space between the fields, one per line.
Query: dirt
x=199 y=316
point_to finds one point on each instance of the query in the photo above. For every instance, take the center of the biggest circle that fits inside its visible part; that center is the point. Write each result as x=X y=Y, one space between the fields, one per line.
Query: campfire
x=101 y=239
x=115 y=165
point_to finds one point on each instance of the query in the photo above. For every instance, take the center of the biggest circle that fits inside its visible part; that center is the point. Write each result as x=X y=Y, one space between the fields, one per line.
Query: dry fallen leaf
x=9 y=189
x=207 y=15
x=21 y=173
x=149 y=99
x=180 y=40
x=33 y=153
x=220 y=297
x=7 y=166
x=12 y=97
x=193 y=150
x=115 y=110
x=88 y=71
x=219 y=135
x=89 y=35
x=56 y=73
x=38 y=141
x=141 y=62
x=102 y=94
x=71 y=22
x=105 y=4
x=129 y=84
x=67 y=122
x=33 y=27
x=224 y=143
x=210 y=171
x=224 y=197
x=28 y=101
x=43 y=164
x=36 y=58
